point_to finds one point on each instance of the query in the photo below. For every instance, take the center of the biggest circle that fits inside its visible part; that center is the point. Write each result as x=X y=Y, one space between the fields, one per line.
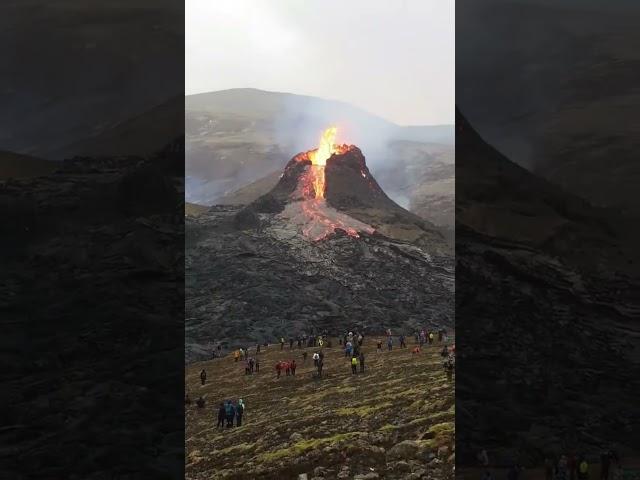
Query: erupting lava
x=316 y=218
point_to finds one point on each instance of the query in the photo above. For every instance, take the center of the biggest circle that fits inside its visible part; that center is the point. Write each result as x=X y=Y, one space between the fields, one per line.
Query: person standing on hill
x=221 y=415
x=361 y=358
x=257 y=365
x=316 y=359
x=230 y=413
x=203 y=376
x=278 y=369
x=390 y=343
x=320 y=365
x=239 y=413
x=402 y=344
x=281 y=343
x=257 y=348
x=583 y=469
x=293 y=366
x=304 y=358
x=354 y=365
x=200 y=402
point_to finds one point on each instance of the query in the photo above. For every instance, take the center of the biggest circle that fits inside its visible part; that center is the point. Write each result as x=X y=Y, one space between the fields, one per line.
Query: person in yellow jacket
x=354 y=365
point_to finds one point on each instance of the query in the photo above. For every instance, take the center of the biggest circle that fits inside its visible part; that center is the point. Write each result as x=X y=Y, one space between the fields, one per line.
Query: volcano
x=324 y=250
x=330 y=190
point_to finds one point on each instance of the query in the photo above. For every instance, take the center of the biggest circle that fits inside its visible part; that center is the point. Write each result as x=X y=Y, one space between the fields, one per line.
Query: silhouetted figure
x=203 y=376
x=361 y=362
x=221 y=416
x=200 y=402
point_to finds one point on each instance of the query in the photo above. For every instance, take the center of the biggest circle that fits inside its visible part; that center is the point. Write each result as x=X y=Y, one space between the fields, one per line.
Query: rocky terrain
x=284 y=264
x=91 y=307
x=395 y=421
x=546 y=315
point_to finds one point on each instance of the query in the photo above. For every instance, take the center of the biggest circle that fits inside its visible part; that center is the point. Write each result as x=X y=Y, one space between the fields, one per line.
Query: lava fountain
x=315 y=217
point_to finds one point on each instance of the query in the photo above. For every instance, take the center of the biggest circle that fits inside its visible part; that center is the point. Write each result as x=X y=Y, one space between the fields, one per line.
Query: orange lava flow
x=316 y=218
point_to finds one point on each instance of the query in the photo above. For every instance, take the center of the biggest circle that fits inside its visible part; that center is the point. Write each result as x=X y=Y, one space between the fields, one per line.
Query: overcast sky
x=395 y=59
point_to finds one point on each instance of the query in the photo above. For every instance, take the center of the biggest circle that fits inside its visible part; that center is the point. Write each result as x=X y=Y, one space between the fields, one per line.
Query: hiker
x=200 y=402
x=320 y=365
x=293 y=367
x=379 y=345
x=304 y=358
x=422 y=337
x=348 y=349
x=236 y=355
x=287 y=368
x=388 y=332
x=258 y=348
x=354 y=365
x=247 y=368
x=282 y=343
x=561 y=468
x=221 y=415
x=390 y=343
x=402 y=344
x=361 y=359
x=360 y=339
x=230 y=412
x=583 y=469
x=445 y=352
x=449 y=364
x=239 y=413
x=513 y=473
x=605 y=461
x=572 y=466
x=356 y=350
x=316 y=359
x=278 y=369
x=321 y=355
x=548 y=469
x=257 y=365
x=203 y=376
x=252 y=364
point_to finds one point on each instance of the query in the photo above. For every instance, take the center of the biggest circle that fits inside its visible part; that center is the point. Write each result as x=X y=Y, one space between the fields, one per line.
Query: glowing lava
x=311 y=212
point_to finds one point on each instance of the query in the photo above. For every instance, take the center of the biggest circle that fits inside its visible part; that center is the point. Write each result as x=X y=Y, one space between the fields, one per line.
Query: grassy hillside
x=396 y=420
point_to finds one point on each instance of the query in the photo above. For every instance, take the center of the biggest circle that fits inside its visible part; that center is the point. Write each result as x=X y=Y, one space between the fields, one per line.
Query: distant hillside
x=193 y=210
x=15 y=165
x=142 y=134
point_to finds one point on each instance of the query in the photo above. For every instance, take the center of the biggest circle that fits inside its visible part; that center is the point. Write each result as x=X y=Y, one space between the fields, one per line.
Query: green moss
x=305 y=445
x=388 y=427
x=441 y=428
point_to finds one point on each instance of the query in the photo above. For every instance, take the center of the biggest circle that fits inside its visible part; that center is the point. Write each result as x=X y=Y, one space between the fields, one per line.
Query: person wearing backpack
x=231 y=412
x=583 y=469
x=239 y=413
x=354 y=365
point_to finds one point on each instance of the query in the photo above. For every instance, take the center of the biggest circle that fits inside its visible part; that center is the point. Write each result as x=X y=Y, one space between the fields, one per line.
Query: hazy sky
x=391 y=58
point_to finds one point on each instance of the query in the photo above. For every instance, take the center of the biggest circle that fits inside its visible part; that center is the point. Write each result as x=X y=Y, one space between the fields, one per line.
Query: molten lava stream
x=319 y=219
